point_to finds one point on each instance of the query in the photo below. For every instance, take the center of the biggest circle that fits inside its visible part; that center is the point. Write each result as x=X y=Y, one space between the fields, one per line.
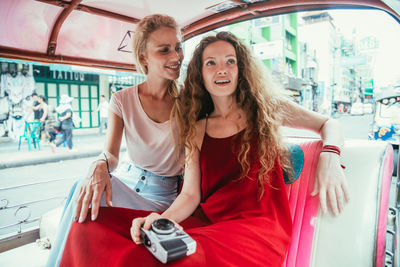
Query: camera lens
x=163 y=226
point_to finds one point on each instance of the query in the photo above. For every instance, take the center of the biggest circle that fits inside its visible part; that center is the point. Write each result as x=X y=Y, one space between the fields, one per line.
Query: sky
x=385 y=29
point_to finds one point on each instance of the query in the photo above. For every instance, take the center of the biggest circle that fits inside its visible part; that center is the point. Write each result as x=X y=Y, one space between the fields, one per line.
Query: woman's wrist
x=102 y=162
x=103 y=158
x=331 y=149
x=99 y=166
x=333 y=152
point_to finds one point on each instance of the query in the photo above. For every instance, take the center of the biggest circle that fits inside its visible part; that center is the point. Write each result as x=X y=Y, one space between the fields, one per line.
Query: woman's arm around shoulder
x=330 y=182
x=188 y=199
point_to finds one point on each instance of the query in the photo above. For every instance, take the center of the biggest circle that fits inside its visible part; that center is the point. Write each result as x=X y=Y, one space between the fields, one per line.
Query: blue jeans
x=67 y=136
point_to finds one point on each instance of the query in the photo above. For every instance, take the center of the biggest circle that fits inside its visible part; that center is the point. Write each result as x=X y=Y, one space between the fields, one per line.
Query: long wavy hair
x=144 y=28
x=256 y=94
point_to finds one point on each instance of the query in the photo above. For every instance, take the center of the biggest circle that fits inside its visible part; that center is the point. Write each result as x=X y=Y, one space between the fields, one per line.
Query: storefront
x=117 y=83
x=19 y=79
x=83 y=87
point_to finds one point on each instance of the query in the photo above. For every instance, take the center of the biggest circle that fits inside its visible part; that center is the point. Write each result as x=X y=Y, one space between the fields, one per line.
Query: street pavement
x=87 y=143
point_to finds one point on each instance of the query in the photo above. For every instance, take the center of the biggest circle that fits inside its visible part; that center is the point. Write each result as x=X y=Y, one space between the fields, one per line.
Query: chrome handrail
x=4 y=207
x=18 y=223
x=36 y=183
x=21 y=208
x=23 y=221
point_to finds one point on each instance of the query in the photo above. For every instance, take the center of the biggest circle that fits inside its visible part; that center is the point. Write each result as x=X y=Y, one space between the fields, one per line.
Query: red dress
x=232 y=227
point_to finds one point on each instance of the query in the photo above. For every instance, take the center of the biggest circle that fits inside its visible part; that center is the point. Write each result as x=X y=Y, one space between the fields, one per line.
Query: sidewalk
x=87 y=143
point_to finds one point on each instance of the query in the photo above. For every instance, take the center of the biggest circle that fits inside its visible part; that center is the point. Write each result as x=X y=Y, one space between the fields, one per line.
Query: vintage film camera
x=166 y=242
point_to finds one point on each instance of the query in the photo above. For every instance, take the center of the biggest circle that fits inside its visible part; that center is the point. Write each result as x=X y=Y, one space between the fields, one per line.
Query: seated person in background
x=233 y=200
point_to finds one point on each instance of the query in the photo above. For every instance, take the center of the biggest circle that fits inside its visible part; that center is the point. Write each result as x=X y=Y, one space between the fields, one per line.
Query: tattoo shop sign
x=67 y=75
x=64 y=75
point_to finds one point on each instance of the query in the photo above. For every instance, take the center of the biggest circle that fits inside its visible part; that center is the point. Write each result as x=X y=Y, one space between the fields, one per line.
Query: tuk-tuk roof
x=98 y=33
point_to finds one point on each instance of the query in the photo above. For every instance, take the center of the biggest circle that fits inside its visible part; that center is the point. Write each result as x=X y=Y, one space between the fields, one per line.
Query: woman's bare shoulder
x=200 y=131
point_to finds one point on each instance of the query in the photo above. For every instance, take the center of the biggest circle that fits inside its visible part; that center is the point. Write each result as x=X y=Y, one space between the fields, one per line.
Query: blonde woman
x=142 y=114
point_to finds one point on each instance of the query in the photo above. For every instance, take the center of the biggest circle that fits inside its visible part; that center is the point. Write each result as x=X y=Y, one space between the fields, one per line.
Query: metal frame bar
x=237 y=14
x=19 y=240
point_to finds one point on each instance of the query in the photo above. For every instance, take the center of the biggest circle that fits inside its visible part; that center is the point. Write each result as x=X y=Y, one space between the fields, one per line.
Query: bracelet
x=106 y=161
x=332 y=149
x=108 y=168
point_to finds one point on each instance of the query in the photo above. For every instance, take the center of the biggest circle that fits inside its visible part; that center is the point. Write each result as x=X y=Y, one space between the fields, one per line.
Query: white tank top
x=149 y=144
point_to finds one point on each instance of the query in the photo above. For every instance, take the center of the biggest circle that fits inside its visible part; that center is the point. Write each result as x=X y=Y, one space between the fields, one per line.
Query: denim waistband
x=149 y=184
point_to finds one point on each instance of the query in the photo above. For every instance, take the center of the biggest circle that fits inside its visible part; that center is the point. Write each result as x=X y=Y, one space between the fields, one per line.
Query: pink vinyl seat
x=357 y=236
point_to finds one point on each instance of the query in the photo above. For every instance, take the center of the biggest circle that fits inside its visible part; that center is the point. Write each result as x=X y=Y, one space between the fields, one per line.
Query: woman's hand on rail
x=330 y=184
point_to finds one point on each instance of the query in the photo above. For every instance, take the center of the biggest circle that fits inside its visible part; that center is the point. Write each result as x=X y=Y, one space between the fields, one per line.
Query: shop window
x=74 y=90
x=95 y=104
x=40 y=89
x=85 y=116
x=75 y=104
x=52 y=101
x=52 y=90
x=85 y=105
x=84 y=91
x=64 y=89
x=95 y=115
x=95 y=119
x=93 y=92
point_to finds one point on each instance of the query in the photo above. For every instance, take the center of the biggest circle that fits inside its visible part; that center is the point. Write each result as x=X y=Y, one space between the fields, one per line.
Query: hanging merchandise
x=27 y=81
x=15 y=88
x=4 y=108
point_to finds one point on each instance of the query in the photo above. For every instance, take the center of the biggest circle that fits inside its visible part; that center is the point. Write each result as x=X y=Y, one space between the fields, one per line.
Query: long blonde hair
x=145 y=27
x=256 y=94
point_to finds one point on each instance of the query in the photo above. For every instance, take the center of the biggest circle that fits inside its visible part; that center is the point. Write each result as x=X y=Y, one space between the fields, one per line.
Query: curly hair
x=256 y=94
x=145 y=27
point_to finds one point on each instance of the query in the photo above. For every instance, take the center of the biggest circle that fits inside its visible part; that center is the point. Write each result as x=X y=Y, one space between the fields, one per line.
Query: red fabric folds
x=232 y=227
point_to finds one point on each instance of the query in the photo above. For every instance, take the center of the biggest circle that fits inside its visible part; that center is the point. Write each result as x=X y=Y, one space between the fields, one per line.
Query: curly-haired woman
x=233 y=200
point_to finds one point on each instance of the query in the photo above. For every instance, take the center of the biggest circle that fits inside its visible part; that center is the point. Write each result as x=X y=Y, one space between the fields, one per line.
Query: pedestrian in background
x=35 y=107
x=50 y=130
x=103 y=109
x=43 y=112
x=65 y=117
